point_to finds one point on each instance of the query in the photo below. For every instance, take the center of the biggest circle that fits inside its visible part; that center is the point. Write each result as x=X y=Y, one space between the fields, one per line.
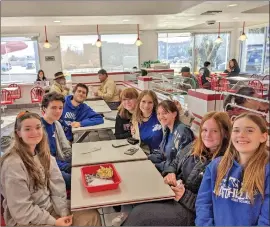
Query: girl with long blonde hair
x=31 y=183
x=235 y=188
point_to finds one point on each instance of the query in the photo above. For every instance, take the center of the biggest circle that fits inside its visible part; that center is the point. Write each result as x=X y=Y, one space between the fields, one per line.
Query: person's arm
x=58 y=190
x=188 y=200
x=204 y=203
x=119 y=132
x=264 y=213
x=15 y=183
x=66 y=149
x=92 y=118
x=111 y=86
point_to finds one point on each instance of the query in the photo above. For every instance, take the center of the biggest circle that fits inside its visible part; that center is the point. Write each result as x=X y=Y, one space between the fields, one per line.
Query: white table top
x=239 y=78
x=107 y=153
x=99 y=106
x=108 y=124
x=141 y=182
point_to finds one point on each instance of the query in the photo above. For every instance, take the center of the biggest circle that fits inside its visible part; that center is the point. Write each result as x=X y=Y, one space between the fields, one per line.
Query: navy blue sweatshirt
x=230 y=208
x=81 y=113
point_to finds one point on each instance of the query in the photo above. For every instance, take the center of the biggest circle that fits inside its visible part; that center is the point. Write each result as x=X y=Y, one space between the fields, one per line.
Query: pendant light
x=243 y=36
x=46 y=44
x=218 y=40
x=98 y=42
x=138 y=41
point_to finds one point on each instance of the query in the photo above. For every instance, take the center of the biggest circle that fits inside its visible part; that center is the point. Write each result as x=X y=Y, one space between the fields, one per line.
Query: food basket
x=93 y=170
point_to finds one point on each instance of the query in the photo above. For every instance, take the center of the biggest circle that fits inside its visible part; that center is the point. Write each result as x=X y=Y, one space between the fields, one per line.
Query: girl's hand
x=132 y=130
x=64 y=221
x=179 y=191
x=170 y=179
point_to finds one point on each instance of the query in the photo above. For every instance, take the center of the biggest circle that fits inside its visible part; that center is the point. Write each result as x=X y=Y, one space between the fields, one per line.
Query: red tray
x=92 y=170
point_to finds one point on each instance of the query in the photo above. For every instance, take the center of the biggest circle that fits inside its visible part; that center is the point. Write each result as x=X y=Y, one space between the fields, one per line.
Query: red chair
x=36 y=94
x=6 y=98
x=17 y=93
x=225 y=85
x=200 y=81
x=258 y=87
x=215 y=83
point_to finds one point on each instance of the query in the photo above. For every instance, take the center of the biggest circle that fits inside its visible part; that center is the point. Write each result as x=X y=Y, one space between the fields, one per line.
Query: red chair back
x=214 y=83
x=36 y=94
x=200 y=81
x=6 y=98
x=17 y=93
x=257 y=85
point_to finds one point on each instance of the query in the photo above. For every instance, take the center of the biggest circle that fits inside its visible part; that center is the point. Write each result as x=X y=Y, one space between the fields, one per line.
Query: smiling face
x=31 y=131
x=129 y=104
x=211 y=135
x=41 y=75
x=147 y=105
x=165 y=117
x=80 y=94
x=247 y=136
x=231 y=64
x=54 y=110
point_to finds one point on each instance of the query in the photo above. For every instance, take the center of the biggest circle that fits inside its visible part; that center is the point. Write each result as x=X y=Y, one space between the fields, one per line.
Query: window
x=175 y=49
x=206 y=49
x=255 y=53
x=266 y=56
x=119 y=52
x=79 y=54
x=19 y=59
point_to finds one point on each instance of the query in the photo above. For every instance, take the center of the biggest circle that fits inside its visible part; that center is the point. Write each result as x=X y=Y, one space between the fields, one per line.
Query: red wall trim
x=207 y=97
x=196 y=115
x=142 y=78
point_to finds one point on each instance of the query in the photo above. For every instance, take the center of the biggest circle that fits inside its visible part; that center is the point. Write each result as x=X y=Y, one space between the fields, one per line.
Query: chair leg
x=3 y=107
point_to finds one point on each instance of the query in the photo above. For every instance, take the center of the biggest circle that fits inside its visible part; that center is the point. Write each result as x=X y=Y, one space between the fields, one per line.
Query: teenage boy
x=52 y=108
x=76 y=113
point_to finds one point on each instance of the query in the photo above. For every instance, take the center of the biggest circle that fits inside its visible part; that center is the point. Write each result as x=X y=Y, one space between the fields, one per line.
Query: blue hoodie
x=230 y=208
x=81 y=113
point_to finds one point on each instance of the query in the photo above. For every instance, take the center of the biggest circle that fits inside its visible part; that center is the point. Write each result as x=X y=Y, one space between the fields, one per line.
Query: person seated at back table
x=59 y=84
x=41 y=76
x=188 y=79
x=76 y=113
x=52 y=108
x=205 y=72
x=108 y=90
x=233 y=68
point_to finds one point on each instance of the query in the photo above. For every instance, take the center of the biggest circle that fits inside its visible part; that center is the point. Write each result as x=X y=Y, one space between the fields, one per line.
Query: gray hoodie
x=22 y=204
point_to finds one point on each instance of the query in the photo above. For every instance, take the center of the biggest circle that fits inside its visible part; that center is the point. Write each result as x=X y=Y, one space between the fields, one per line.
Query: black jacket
x=235 y=72
x=190 y=170
x=122 y=128
x=205 y=73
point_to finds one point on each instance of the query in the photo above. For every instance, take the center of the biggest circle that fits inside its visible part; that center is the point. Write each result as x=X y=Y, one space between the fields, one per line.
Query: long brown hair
x=254 y=172
x=22 y=149
x=225 y=127
x=137 y=116
x=128 y=93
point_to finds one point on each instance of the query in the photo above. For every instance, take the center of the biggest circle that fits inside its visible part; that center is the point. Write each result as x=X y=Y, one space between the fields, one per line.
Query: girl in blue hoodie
x=235 y=188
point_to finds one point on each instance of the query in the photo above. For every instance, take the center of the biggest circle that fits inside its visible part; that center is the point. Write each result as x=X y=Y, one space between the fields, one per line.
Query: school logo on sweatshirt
x=231 y=190
x=70 y=115
x=156 y=127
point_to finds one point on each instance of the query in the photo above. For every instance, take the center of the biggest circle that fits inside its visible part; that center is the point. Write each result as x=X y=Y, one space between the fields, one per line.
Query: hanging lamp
x=218 y=40
x=46 y=44
x=243 y=36
x=98 y=42
x=138 y=41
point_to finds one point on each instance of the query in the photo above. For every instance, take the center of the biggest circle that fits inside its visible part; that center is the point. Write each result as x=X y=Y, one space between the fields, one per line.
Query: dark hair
x=103 y=72
x=52 y=96
x=58 y=74
x=82 y=86
x=144 y=72
x=206 y=64
x=39 y=71
x=169 y=106
x=247 y=91
x=235 y=63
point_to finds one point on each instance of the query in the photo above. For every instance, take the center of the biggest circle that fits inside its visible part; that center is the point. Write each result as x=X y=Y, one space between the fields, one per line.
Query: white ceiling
x=149 y=14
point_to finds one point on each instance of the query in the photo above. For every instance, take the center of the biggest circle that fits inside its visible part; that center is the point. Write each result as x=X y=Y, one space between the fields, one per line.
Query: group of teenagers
x=220 y=177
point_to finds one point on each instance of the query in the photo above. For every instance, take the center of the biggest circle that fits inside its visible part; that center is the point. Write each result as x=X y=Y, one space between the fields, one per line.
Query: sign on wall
x=49 y=58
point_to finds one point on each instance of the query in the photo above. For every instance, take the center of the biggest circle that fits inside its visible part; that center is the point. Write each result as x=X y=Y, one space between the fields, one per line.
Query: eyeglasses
x=21 y=114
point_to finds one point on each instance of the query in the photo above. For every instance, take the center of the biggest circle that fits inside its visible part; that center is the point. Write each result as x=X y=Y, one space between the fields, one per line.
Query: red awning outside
x=12 y=46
